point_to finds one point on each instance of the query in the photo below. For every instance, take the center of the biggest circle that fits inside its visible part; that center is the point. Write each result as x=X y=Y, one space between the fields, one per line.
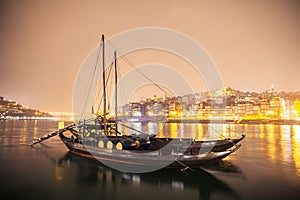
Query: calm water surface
x=267 y=166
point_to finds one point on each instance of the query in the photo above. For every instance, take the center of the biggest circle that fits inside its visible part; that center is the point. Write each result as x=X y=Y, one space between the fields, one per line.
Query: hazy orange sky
x=254 y=44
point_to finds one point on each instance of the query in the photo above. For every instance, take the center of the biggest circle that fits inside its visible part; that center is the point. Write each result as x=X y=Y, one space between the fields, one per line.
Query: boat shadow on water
x=224 y=166
x=165 y=182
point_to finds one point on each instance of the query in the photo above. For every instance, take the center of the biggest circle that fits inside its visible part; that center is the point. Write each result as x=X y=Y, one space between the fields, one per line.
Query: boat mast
x=116 y=103
x=104 y=89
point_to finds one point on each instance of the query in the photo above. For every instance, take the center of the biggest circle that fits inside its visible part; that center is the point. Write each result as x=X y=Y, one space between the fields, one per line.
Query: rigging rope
x=106 y=81
x=90 y=81
x=138 y=70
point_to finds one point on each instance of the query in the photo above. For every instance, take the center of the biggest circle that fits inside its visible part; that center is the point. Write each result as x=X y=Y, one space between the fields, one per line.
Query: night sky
x=254 y=44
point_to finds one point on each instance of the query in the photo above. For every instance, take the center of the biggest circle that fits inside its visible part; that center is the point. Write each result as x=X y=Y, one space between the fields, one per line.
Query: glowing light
x=173 y=130
x=61 y=125
x=161 y=130
x=137 y=114
x=296 y=147
x=58 y=173
x=271 y=143
x=199 y=133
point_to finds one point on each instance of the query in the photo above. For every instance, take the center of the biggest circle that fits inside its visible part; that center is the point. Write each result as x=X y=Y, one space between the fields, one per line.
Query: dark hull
x=219 y=145
x=143 y=158
x=93 y=133
x=190 y=146
x=196 y=147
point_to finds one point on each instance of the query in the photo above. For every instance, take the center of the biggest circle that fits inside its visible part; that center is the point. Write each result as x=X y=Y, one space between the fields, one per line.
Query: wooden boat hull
x=189 y=146
x=197 y=147
x=92 y=133
x=143 y=158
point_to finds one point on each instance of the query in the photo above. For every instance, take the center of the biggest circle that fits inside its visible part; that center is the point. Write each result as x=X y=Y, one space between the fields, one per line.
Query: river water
x=267 y=166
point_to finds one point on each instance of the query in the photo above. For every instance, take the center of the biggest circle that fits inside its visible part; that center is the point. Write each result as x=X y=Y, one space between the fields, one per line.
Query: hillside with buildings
x=228 y=104
x=12 y=110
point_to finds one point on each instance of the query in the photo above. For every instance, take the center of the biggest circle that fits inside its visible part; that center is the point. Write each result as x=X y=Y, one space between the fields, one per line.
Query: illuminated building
x=275 y=107
x=297 y=107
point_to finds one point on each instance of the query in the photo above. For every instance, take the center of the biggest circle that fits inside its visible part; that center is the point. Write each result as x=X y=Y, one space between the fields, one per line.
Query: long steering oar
x=54 y=133
x=47 y=136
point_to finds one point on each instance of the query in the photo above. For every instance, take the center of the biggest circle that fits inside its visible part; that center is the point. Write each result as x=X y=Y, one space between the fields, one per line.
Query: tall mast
x=116 y=92
x=104 y=89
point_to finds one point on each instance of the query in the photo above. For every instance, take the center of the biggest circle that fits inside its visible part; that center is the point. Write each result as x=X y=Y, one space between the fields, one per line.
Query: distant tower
x=272 y=89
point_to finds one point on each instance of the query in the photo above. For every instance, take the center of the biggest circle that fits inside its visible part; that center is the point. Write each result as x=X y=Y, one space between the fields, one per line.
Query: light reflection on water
x=268 y=163
x=295 y=137
x=272 y=154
